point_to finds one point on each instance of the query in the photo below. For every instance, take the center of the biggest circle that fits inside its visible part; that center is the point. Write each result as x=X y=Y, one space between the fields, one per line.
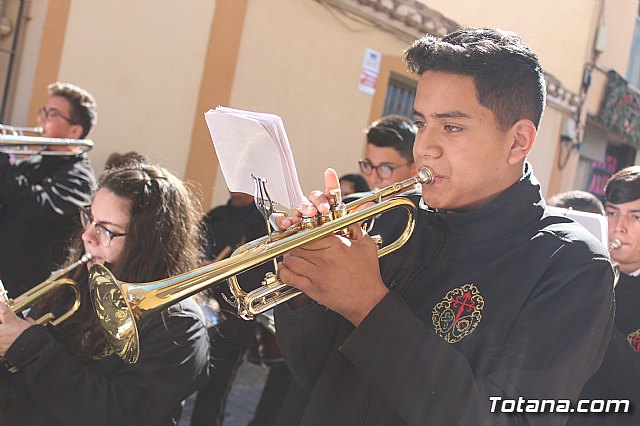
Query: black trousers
x=230 y=341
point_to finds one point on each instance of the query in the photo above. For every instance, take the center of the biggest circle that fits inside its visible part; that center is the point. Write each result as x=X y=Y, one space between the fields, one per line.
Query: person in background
x=389 y=151
x=388 y=159
x=478 y=309
x=228 y=227
x=577 y=200
x=118 y=160
x=352 y=183
x=618 y=379
x=40 y=195
x=144 y=224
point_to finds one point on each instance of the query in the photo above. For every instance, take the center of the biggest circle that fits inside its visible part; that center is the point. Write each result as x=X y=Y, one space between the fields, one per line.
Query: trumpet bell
x=115 y=314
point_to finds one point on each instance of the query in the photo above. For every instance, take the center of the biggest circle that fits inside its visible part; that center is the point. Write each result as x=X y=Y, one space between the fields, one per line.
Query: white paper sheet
x=255 y=143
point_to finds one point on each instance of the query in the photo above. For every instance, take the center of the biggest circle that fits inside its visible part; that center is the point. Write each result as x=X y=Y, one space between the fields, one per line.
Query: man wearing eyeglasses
x=389 y=159
x=389 y=152
x=40 y=195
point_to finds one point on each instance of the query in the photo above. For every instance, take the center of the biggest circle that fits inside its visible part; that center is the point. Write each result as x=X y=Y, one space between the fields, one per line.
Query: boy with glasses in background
x=389 y=159
x=40 y=195
x=389 y=152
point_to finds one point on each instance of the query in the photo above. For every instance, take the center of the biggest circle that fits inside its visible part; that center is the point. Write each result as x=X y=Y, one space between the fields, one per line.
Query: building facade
x=327 y=67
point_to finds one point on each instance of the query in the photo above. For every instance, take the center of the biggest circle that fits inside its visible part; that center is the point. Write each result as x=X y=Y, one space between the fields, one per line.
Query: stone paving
x=243 y=398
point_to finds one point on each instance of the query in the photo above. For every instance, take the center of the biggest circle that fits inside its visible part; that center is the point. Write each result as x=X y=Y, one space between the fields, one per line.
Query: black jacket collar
x=506 y=214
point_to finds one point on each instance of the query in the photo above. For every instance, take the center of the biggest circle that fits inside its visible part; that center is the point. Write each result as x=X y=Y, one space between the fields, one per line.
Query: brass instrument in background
x=56 y=280
x=25 y=141
x=120 y=305
x=615 y=244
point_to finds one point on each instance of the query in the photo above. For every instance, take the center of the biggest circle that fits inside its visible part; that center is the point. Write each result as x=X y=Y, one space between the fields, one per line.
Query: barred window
x=401 y=93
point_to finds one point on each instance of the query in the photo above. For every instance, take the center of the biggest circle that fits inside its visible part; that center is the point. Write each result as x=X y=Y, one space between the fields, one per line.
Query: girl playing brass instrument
x=143 y=222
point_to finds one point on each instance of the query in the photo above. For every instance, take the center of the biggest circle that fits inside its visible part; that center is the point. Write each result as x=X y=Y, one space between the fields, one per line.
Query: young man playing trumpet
x=40 y=196
x=478 y=310
x=619 y=376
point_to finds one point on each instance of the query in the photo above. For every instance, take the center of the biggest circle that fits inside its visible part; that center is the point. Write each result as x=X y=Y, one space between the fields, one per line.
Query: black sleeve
x=305 y=337
x=67 y=188
x=172 y=361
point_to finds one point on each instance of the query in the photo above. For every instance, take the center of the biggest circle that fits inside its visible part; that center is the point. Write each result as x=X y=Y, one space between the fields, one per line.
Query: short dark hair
x=508 y=77
x=623 y=186
x=393 y=131
x=577 y=200
x=84 y=110
x=359 y=183
x=128 y=158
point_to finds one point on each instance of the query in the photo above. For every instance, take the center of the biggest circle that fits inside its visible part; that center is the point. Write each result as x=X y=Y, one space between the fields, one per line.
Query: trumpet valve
x=321 y=219
x=378 y=240
x=308 y=222
x=269 y=278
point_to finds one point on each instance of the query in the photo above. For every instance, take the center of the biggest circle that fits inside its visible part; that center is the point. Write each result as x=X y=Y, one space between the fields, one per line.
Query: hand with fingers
x=11 y=326
x=340 y=273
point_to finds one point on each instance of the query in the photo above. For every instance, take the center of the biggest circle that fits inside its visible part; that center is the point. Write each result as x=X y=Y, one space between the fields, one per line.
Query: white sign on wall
x=370 y=71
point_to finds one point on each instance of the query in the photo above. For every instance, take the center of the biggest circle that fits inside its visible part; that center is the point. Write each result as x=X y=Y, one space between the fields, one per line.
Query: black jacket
x=52 y=387
x=39 y=200
x=619 y=376
x=231 y=226
x=506 y=301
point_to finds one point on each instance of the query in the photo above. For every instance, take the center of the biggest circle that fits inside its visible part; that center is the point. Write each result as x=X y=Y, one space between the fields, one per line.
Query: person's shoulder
x=216 y=212
x=566 y=231
x=77 y=166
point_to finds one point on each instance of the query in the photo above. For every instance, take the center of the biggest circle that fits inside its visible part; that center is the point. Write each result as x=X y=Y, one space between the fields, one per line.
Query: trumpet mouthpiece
x=425 y=175
x=615 y=244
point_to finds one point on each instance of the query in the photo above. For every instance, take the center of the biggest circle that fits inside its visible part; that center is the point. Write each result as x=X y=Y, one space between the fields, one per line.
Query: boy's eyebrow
x=451 y=114
x=446 y=114
x=612 y=207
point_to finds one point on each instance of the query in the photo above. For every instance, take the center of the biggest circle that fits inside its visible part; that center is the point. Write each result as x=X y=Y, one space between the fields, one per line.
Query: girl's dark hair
x=163 y=239
x=508 y=77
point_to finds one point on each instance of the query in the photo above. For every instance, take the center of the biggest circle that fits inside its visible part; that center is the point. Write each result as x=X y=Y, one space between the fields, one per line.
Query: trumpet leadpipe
x=56 y=280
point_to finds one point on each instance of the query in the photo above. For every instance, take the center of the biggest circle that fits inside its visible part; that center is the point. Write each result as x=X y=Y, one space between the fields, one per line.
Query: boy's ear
x=523 y=135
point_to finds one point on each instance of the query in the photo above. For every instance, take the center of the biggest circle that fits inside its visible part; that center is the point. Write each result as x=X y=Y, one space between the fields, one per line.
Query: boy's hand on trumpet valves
x=340 y=273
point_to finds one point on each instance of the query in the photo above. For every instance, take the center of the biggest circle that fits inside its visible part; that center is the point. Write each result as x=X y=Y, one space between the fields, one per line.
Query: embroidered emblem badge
x=634 y=340
x=458 y=314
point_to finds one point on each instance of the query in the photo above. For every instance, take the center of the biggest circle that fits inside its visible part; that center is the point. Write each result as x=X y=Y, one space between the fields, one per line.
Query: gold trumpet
x=614 y=245
x=120 y=305
x=15 y=140
x=55 y=281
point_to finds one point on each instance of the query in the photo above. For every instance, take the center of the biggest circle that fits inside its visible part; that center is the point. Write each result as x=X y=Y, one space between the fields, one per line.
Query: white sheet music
x=595 y=223
x=255 y=143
